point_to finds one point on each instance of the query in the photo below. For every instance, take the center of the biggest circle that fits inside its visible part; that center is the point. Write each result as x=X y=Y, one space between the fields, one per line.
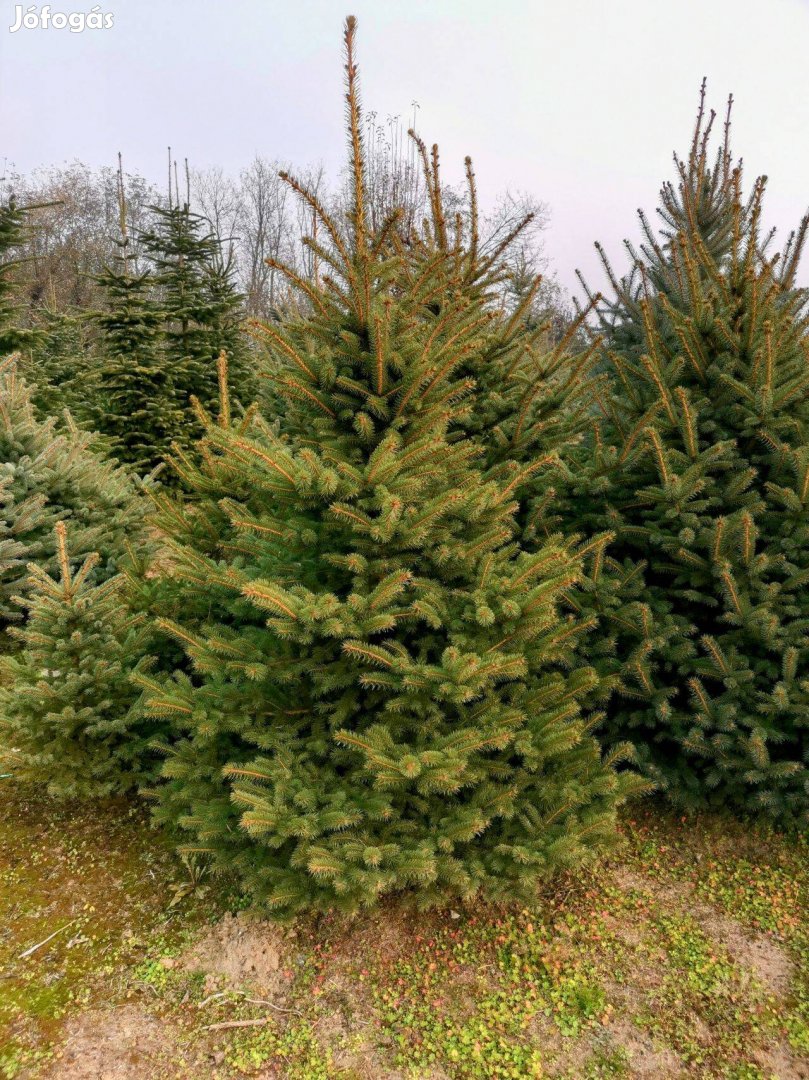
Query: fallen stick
x=238 y=1024
x=50 y=937
x=213 y=997
x=248 y=1000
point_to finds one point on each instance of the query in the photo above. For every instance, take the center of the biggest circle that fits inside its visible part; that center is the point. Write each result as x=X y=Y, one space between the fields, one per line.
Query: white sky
x=580 y=102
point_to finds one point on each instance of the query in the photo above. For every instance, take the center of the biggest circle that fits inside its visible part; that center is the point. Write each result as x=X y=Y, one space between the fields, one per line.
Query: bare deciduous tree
x=259 y=222
x=73 y=234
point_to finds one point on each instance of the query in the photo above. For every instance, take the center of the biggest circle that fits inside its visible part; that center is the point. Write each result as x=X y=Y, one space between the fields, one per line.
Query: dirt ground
x=686 y=956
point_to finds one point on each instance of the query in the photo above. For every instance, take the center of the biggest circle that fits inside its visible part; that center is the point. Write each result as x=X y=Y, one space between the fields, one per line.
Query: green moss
x=97 y=875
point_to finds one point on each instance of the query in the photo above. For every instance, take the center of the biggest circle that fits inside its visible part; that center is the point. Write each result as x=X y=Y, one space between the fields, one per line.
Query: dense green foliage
x=60 y=365
x=13 y=222
x=140 y=410
x=409 y=623
x=199 y=305
x=533 y=408
x=171 y=306
x=704 y=473
x=381 y=671
x=51 y=473
x=67 y=704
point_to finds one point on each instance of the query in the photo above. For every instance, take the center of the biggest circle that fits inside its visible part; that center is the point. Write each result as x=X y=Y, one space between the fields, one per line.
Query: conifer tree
x=68 y=712
x=536 y=399
x=51 y=474
x=51 y=352
x=376 y=696
x=703 y=476
x=200 y=306
x=140 y=408
x=696 y=211
x=61 y=365
x=533 y=398
x=13 y=221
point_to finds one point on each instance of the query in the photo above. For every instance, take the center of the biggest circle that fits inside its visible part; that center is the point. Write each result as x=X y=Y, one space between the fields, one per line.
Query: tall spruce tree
x=376 y=697
x=140 y=408
x=696 y=211
x=537 y=395
x=200 y=305
x=68 y=712
x=703 y=476
x=534 y=398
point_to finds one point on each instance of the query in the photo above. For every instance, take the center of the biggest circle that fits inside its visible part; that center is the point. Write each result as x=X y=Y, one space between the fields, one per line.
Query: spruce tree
x=376 y=697
x=140 y=408
x=696 y=211
x=201 y=310
x=703 y=476
x=13 y=223
x=68 y=713
x=537 y=396
x=50 y=474
x=534 y=398
x=61 y=366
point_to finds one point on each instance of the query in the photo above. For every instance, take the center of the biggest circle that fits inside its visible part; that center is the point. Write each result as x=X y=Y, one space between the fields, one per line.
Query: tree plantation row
x=396 y=590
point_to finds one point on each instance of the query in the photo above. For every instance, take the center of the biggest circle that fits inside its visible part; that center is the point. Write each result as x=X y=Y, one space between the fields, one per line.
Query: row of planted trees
x=127 y=368
x=424 y=620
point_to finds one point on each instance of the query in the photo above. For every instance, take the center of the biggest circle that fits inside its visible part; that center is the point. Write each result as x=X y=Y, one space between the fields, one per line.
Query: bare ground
x=685 y=958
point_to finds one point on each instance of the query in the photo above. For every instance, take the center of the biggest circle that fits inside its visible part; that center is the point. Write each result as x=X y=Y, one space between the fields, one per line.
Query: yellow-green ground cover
x=686 y=954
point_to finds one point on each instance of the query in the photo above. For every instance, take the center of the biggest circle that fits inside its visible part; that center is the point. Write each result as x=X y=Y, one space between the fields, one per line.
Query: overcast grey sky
x=580 y=102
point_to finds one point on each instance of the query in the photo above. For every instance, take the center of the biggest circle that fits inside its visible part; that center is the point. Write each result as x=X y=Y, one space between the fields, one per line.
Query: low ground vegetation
x=687 y=955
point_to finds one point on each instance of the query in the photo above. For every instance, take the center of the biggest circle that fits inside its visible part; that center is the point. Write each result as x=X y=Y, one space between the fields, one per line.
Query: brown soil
x=647 y=1061
x=115 y=1044
x=256 y=959
x=240 y=953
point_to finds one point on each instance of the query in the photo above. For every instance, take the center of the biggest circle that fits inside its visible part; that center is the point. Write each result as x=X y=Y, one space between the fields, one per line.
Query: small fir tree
x=68 y=715
x=376 y=696
x=51 y=474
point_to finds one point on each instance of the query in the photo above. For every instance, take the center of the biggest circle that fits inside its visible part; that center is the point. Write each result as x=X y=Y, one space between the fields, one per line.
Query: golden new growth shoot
x=354 y=118
x=64 y=562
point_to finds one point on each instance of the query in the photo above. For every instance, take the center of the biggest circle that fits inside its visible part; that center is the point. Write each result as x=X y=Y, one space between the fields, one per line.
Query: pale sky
x=580 y=102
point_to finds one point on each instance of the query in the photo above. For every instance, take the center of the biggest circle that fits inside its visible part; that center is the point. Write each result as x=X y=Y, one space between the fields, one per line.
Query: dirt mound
x=240 y=953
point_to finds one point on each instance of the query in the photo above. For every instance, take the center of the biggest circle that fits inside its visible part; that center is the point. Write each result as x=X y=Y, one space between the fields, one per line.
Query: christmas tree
x=534 y=397
x=703 y=476
x=50 y=474
x=376 y=696
x=537 y=394
x=698 y=211
x=139 y=406
x=200 y=308
x=61 y=366
x=68 y=711
x=13 y=222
